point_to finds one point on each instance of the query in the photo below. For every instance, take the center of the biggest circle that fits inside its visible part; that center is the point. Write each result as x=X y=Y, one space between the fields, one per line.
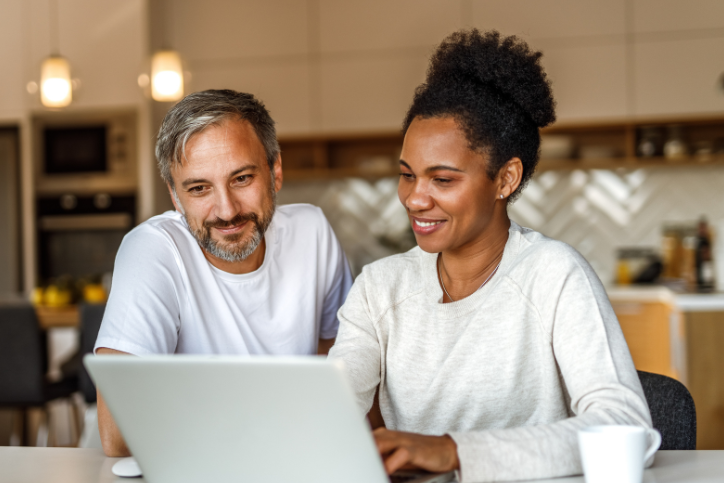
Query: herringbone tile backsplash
x=595 y=211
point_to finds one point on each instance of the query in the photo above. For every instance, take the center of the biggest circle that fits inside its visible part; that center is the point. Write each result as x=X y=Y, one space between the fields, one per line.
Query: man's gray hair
x=199 y=110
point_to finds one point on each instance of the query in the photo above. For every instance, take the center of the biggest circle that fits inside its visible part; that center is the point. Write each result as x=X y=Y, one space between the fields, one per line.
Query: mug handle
x=655 y=446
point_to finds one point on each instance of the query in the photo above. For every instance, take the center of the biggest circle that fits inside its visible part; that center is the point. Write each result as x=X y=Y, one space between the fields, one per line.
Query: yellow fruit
x=94 y=293
x=36 y=298
x=56 y=297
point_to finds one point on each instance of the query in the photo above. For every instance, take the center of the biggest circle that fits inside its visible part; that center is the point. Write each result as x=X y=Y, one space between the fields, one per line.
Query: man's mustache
x=237 y=220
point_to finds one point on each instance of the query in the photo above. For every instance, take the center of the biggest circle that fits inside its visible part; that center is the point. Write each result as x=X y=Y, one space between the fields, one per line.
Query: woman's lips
x=423 y=226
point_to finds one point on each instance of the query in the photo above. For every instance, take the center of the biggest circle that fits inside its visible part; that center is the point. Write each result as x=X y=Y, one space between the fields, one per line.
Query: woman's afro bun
x=498 y=92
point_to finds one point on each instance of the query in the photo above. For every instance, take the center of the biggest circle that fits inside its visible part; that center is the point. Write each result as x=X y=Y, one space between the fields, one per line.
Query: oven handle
x=109 y=221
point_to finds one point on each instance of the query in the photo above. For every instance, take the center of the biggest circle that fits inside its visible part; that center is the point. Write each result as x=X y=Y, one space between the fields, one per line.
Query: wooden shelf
x=375 y=155
x=52 y=317
x=627 y=163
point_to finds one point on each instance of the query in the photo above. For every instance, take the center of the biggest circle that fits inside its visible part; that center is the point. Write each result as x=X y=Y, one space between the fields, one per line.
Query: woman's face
x=449 y=198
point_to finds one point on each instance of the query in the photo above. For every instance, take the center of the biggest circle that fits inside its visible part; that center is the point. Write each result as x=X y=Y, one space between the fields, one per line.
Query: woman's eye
x=443 y=180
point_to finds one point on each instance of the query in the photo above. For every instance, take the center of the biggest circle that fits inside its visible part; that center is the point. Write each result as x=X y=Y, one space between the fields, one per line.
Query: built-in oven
x=79 y=235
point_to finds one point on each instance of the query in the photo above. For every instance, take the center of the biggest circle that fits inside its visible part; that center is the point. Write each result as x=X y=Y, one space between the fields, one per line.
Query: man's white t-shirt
x=167 y=298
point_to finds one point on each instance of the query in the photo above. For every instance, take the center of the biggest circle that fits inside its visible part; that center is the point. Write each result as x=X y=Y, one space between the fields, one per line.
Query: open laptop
x=230 y=418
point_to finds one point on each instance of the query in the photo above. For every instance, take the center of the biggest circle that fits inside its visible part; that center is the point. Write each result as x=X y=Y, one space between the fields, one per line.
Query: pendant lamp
x=56 y=89
x=167 y=80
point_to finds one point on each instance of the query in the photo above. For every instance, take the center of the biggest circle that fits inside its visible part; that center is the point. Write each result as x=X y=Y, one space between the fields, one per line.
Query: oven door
x=80 y=245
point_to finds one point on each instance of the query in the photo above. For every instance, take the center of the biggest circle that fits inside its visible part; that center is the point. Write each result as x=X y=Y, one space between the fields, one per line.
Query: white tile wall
x=595 y=211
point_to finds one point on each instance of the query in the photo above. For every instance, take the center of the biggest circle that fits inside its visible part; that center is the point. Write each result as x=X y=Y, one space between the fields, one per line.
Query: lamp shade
x=55 y=87
x=167 y=80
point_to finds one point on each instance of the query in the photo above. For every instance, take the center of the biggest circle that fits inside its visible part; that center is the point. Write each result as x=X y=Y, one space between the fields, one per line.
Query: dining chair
x=24 y=363
x=672 y=410
x=91 y=316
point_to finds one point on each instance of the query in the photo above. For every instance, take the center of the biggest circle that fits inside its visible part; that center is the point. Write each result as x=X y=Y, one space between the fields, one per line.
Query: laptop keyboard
x=402 y=478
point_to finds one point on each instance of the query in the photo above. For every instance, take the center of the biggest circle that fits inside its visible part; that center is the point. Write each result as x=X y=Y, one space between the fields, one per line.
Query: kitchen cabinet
x=593 y=145
x=653 y=328
x=681 y=336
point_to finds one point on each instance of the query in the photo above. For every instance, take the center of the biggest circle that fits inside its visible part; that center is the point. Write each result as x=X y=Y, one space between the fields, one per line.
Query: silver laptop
x=232 y=419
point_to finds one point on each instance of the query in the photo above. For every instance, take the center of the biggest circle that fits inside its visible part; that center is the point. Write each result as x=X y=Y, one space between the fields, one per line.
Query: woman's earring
x=501 y=197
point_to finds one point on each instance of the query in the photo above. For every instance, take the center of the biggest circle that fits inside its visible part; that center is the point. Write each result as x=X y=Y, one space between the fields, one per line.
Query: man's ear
x=277 y=172
x=174 y=199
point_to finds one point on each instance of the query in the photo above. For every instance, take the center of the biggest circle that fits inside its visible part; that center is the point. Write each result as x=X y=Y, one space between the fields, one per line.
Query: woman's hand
x=416 y=451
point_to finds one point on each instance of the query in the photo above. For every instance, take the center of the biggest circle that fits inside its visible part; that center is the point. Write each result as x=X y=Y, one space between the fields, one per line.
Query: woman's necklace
x=443 y=283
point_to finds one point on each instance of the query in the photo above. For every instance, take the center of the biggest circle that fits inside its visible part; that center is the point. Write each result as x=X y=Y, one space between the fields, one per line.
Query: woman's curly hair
x=497 y=91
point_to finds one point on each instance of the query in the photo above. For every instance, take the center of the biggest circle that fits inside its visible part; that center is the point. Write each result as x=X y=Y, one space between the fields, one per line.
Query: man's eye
x=407 y=176
x=196 y=189
x=243 y=178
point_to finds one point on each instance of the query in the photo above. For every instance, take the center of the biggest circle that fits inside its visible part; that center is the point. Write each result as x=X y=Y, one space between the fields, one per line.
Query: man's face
x=225 y=189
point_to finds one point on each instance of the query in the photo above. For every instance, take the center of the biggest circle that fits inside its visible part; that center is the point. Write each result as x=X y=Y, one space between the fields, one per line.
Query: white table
x=71 y=465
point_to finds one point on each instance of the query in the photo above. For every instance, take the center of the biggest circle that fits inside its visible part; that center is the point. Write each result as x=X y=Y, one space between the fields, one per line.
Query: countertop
x=686 y=302
x=60 y=465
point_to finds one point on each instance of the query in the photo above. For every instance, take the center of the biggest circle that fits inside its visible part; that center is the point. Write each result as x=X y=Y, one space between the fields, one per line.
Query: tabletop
x=72 y=465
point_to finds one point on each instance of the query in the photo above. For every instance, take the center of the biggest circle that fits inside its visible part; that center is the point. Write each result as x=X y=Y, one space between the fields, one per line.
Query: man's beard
x=228 y=248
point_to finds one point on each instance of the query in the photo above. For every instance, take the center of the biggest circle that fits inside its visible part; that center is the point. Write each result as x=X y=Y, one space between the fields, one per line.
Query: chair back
x=672 y=410
x=91 y=317
x=23 y=357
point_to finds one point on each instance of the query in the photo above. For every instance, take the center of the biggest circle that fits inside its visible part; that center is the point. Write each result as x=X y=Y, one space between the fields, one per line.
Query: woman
x=488 y=345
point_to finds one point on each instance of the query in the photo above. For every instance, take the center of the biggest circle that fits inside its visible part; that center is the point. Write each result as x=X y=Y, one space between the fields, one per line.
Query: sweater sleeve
x=598 y=374
x=357 y=345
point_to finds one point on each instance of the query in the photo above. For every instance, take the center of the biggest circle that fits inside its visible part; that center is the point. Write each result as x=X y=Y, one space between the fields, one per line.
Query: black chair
x=91 y=317
x=24 y=363
x=672 y=410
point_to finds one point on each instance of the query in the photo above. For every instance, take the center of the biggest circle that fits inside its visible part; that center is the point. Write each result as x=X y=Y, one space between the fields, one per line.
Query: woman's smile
x=426 y=226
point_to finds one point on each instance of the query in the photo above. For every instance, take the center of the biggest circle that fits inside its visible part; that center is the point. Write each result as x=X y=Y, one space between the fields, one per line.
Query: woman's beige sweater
x=510 y=372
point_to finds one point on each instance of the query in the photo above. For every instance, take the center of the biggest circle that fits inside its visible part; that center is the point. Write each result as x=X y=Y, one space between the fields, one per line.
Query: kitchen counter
x=679 y=335
x=685 y=302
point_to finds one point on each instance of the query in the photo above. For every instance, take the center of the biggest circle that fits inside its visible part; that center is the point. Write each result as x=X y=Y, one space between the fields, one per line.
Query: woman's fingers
x=397 y=460
x=409 y=450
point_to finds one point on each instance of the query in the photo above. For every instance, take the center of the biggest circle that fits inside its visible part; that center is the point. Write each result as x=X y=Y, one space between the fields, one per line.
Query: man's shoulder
x=159 y=233
x=301 y=221
x=299 y=214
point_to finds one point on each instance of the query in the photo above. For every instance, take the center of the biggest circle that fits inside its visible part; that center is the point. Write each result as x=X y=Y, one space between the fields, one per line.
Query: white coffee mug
x=616 y=453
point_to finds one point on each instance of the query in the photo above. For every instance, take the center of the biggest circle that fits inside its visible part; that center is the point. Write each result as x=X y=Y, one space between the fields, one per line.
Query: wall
x=595 y=211
x=106 y=44
x=330 y=65
x=103 y=40
x=9 y=219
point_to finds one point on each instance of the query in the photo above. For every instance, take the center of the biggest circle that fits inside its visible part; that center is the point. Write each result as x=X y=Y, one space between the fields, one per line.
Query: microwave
x=85 y=152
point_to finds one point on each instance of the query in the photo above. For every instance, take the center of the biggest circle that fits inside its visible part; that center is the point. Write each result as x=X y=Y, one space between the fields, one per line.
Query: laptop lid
x=238 y=418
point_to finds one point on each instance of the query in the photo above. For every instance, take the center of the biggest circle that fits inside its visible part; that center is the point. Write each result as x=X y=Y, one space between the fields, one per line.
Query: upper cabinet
x=630 y=144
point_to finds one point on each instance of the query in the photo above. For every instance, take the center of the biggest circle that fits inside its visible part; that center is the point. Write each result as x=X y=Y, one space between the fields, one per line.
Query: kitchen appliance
x=78 y=236
x=85 y=152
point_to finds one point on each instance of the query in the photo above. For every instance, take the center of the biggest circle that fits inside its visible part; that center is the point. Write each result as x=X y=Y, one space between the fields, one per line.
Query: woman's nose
x=418 y=199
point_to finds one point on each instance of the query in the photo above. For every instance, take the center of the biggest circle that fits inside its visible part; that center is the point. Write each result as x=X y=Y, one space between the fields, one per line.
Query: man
x=227 y=272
